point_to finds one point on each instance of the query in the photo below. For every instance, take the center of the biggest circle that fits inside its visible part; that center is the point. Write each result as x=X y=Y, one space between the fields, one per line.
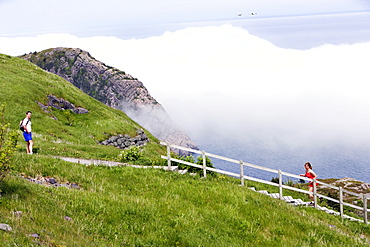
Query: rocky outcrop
x=61 y=104
x=113 y=87
x=49 y=181
x=353 y=185
x=125 y=141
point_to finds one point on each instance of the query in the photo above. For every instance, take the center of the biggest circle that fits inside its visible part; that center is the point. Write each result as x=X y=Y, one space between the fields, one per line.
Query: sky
x=292 y=76
x=287 y=23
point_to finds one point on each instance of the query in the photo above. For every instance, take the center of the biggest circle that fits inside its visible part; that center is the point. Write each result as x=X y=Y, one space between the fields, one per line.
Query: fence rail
x=280 y=173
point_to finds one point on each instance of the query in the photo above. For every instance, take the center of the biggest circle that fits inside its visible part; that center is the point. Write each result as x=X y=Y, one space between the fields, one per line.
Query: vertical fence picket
x=241 y=173
x=341 y=201
x=204 y=164
x=168 y=156
x=365 y=208
x=280 y=185
x=314 y=192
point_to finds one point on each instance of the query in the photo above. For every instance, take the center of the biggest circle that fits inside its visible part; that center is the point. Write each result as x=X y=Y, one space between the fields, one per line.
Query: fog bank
x=226 y=83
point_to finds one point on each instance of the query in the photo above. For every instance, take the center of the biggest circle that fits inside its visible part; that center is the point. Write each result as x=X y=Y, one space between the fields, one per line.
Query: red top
x=309 y=175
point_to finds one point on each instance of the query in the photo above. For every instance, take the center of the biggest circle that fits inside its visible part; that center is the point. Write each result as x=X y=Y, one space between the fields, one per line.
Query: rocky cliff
x=113 y=87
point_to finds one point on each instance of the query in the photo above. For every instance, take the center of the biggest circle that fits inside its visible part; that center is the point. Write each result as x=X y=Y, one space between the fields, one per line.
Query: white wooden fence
x=279 y=173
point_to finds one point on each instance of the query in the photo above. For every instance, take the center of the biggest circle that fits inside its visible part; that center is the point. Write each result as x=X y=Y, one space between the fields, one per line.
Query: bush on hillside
x=8 y=144
x=131 y=154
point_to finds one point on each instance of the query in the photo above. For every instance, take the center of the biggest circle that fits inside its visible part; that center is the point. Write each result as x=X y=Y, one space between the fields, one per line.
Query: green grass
x=125 y=206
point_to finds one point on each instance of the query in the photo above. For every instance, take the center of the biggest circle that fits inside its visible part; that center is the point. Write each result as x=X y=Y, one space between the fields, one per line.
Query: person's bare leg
x=30 y=146
x=311 y=195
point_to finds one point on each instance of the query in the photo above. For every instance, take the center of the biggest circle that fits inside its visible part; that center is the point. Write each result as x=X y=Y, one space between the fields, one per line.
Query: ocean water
x=330 y=162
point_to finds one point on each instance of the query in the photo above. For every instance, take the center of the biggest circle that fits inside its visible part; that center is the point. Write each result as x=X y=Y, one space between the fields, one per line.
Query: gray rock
x=5 y=227
x=113 y=138
x=52 y=180
x=75 y=186
x=125 y=141
x=61 y=104
x=67 y=218
x=34 y=235
x=43 y=107
x=80 y=110
x=18 y=213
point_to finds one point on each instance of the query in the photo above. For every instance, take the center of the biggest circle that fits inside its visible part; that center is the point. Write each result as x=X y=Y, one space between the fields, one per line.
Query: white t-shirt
x=28 y=125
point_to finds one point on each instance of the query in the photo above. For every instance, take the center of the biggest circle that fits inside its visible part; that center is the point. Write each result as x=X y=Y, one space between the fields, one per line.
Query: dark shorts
x=27 y=136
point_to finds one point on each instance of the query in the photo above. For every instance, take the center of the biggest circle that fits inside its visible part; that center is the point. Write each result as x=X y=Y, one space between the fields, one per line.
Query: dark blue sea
x=329 y=162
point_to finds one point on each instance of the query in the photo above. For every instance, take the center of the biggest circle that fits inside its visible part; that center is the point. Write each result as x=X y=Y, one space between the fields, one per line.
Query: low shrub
x=8 y=144
x=131 y=154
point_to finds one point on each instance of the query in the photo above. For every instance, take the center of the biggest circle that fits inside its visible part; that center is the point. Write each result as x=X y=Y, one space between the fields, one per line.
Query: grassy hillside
x=23 y=85
x=125 y=206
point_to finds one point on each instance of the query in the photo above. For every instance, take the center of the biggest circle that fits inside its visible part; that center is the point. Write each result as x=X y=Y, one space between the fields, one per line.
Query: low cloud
x=225 y=81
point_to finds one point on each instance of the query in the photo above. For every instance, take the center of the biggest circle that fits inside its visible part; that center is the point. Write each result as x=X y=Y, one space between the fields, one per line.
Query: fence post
x=241 y=173
x=280 y=185
x=204 y=164
x=168 y=156
x=314 y=192
x=365 y=208
x=341 y=201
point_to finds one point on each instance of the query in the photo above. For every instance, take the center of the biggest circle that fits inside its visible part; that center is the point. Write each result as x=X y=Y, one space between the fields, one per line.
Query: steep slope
x=66 y=121
x=113 y=87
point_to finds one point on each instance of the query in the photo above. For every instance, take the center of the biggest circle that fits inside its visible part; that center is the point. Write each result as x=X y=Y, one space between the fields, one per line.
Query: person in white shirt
x=27 y=133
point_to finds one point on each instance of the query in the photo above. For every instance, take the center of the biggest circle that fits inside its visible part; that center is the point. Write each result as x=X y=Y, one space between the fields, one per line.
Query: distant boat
x=240 y=14
x=253 y=13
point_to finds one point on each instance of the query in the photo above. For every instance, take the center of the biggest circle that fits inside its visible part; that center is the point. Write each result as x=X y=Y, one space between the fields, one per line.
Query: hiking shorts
x=27 y=136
